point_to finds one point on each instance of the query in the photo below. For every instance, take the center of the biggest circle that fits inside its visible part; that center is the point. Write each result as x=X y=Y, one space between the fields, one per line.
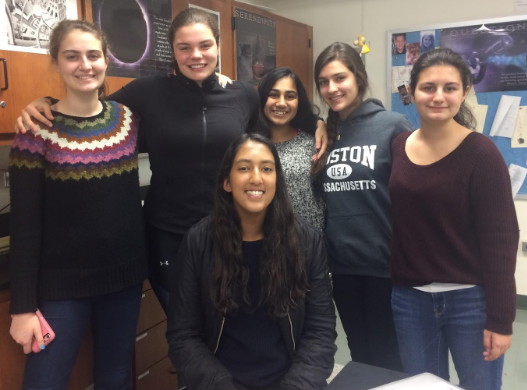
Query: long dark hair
x=284 y=280
x=188 y=17
x=446 y=57
x=66 y=26
x=306 y=116
x=344 y=53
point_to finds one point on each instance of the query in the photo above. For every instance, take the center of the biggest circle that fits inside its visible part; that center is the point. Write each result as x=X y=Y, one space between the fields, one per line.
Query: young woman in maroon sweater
x=455 y=234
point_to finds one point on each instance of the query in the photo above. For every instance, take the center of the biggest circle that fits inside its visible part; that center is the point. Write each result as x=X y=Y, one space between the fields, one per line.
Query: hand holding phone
x=47 y=333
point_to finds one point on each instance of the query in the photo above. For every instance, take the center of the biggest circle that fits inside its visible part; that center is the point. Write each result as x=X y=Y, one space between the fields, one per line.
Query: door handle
x=5 y=75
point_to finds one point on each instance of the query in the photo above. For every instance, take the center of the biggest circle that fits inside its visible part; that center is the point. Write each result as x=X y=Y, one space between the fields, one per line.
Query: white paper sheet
x=518 y=175
x=480 y=113
x=479 y=110
x=519 y=138
x=471 y=100
x=505 y=120
x=419 y=382
x=400 y=76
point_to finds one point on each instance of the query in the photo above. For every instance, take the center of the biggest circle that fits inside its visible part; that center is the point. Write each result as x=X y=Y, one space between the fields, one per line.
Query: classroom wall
x=340 y=20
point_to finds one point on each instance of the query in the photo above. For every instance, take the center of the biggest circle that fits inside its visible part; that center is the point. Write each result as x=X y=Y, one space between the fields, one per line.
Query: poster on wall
x=137 y=34
x=255 y=45
x=496 y=54
x=25 y=25
x=495 y=50
x=216 y=16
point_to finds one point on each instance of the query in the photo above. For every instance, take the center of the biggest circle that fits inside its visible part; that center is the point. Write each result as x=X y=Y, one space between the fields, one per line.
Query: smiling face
x=81 y=62
x=339 y=89
x=252 y=180
x=427 y=40
x=413 y=48
x=282 y=103
x=195 y=51
x=400 y=43
x=439 y=93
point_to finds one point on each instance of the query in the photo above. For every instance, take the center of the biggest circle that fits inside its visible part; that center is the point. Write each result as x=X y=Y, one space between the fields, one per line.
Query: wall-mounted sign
x=255 y=45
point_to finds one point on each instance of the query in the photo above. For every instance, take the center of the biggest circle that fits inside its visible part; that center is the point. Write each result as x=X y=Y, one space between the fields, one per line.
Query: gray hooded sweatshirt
x=355 y=188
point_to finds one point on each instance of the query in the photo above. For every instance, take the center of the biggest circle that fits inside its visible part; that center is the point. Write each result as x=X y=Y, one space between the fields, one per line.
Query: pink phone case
x=47 y=333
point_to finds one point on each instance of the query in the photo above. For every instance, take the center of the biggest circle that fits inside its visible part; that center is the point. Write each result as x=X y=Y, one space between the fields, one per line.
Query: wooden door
x=294 y=49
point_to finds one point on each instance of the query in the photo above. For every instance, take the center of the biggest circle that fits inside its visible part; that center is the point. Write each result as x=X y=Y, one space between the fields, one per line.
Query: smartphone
x=47 y=333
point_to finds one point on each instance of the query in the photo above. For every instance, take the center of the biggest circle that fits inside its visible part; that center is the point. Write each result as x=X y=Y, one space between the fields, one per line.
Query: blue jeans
x=430 y=324
x=114 y=322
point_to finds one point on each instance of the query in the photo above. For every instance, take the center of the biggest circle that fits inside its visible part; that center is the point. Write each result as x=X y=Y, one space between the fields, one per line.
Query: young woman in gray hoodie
x=358 y=219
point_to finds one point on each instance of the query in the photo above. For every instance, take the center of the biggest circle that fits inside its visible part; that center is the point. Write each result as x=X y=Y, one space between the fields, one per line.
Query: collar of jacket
x=208 y=83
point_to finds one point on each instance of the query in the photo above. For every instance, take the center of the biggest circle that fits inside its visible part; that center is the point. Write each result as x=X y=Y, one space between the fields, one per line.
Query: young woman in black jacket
x=251 y=304
x=188 y=120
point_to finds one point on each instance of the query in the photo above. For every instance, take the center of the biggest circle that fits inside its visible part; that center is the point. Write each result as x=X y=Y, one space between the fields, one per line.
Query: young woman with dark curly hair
x=251 y=304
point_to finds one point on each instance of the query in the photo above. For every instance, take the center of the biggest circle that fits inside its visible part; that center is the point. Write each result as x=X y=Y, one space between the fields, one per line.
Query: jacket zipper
x=203 y=150
x=221 y=331
x=291 y=326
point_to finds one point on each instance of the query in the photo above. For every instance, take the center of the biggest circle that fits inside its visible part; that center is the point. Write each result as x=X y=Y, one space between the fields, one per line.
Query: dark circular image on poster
x=125 y=26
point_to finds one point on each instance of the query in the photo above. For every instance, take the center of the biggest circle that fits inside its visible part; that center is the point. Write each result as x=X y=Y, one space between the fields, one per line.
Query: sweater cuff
x=23 y=297
x=499 y=328
x=224 y=384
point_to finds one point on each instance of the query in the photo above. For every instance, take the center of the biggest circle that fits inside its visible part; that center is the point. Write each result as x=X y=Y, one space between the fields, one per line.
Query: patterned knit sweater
x=76 y=218
x=295 y=156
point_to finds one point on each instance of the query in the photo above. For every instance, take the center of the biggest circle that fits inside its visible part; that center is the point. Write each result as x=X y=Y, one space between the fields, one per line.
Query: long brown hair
x=282 y=271
x=344 y=53
x=64 y=28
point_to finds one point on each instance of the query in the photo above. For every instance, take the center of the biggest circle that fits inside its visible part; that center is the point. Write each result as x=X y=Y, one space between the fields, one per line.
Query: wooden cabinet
x=158 y=377
x=152 y=367
x=12 y=358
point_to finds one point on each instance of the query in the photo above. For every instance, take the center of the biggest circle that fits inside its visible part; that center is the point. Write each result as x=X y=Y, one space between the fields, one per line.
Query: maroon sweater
x=454 y=221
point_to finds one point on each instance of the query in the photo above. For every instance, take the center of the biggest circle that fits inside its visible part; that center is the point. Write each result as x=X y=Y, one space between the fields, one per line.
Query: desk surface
x=358 y=376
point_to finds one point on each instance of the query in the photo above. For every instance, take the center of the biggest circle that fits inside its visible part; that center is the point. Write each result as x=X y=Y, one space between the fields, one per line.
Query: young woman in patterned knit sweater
x=455 y=234
x=77 y=242
x=287 y=117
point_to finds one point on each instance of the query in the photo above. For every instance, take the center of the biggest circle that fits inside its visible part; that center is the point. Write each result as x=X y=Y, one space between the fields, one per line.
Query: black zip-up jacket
x=195 y=326
x=187 y=130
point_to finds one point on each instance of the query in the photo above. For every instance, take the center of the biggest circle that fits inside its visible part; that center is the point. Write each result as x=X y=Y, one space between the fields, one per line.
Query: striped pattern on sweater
x=75 y=149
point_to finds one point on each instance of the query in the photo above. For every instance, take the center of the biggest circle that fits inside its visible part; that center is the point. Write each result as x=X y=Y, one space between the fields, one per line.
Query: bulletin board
x=496 y=52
